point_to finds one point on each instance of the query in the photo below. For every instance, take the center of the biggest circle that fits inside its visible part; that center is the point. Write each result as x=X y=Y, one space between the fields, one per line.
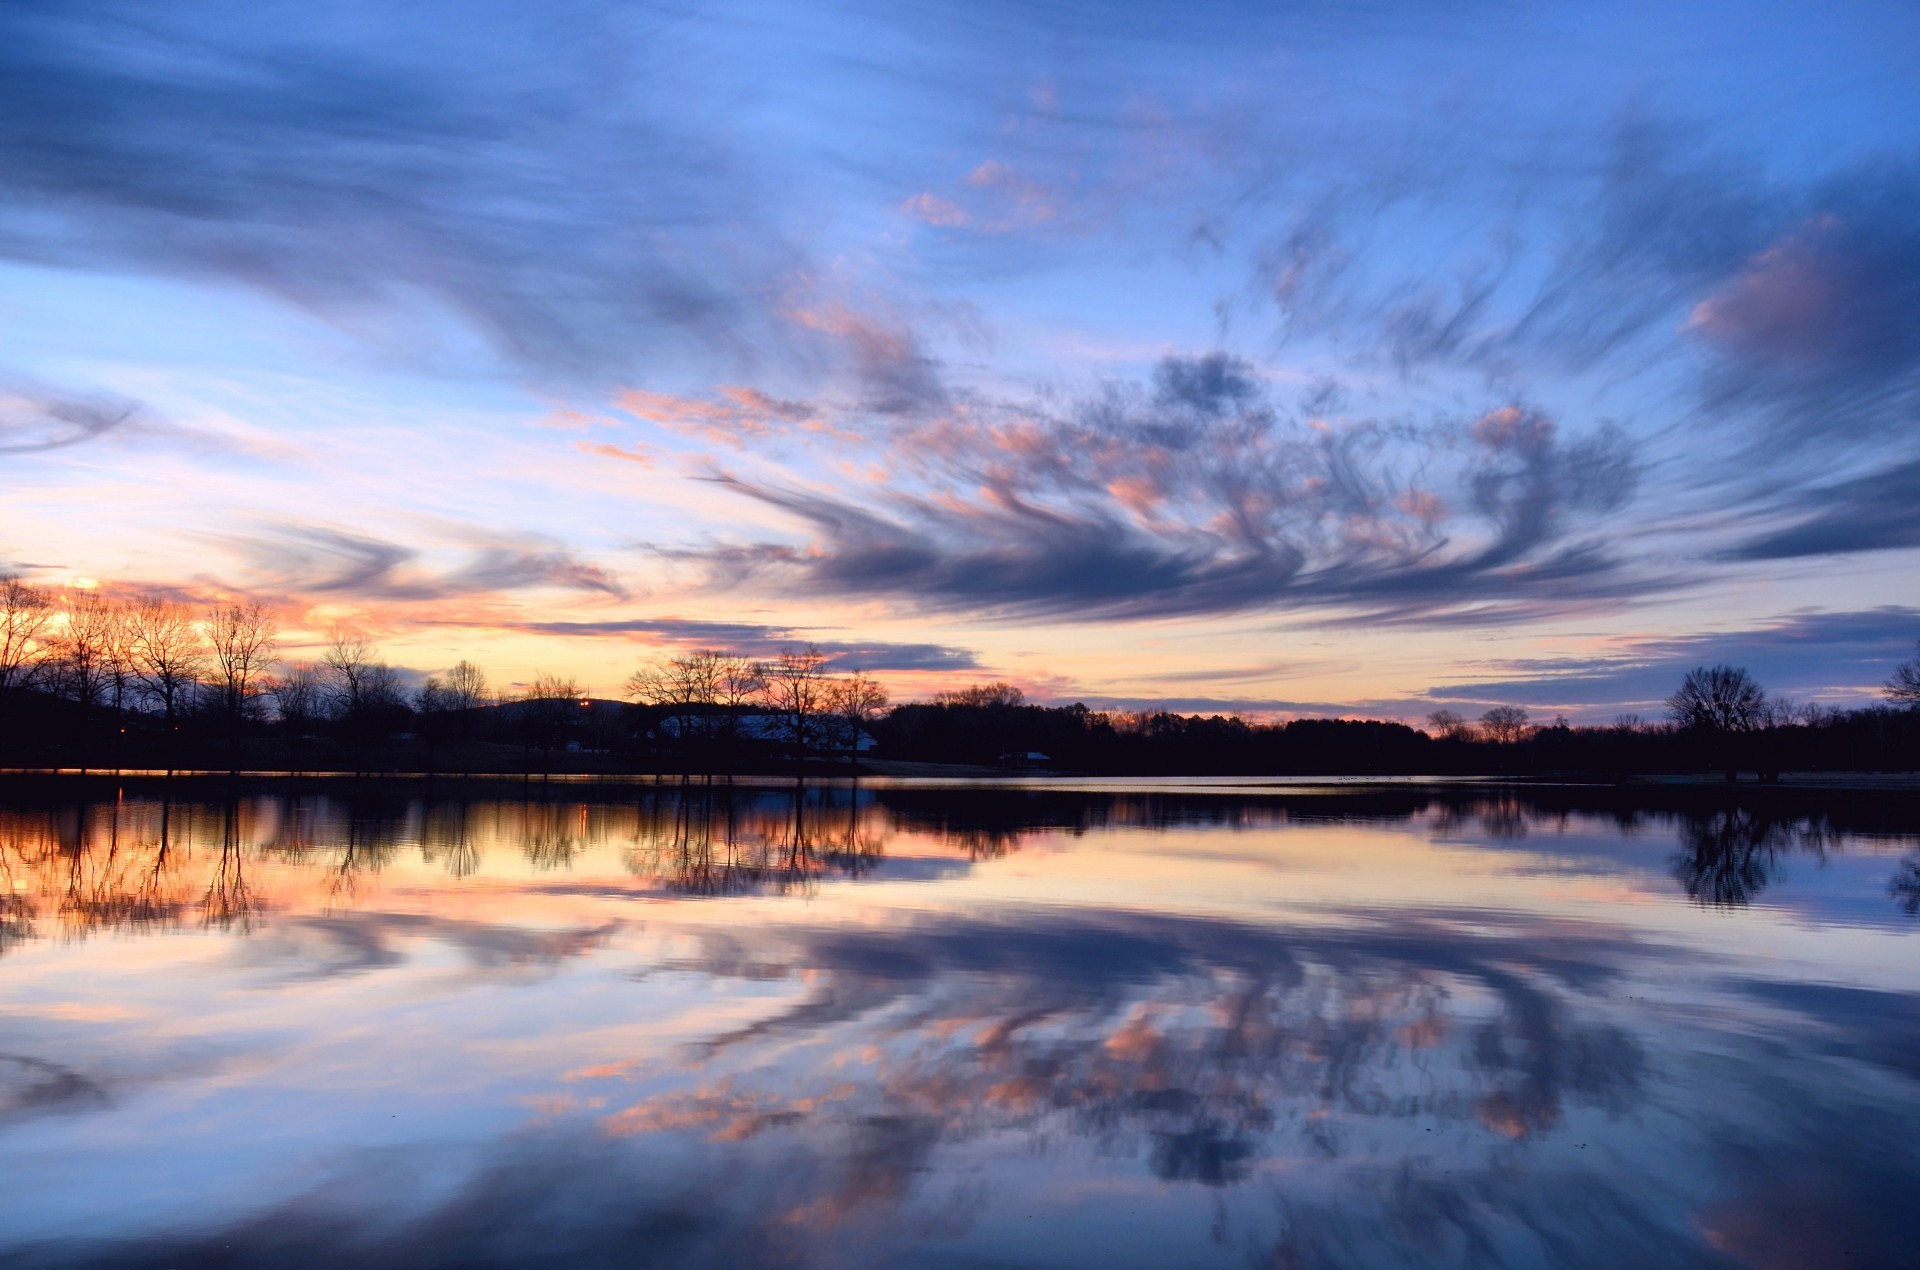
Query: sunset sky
x=1299 y=358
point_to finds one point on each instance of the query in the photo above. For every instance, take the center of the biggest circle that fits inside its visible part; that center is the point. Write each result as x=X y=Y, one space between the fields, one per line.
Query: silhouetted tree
x=348 y=659
x=1903 y=686
x=684 y=688
x=89 y=651
x=547 y=709
x=465 y=689
x=165 y=652
x=1718 y=699
x=854 y=701
x=26 y=615
x=983 y=696
x=1720 y=703
x=1449 y=725
x=242 y=639
x=1505 y=724
x=430 y=710
x=796 y=694
x=299 y=695
x=738 y=683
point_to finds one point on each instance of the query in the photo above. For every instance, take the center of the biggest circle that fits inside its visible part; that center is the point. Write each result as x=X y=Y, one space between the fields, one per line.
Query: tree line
x=150 y=664
x=173 y=677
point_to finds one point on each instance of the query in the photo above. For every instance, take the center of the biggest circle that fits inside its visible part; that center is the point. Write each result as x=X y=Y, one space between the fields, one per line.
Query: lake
x=1117 y=1023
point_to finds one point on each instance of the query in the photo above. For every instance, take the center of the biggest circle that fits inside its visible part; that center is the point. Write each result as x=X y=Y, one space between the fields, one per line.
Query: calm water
x=1123 y=1025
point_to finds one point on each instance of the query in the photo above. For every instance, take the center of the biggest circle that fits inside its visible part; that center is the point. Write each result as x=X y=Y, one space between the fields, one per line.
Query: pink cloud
x=1791 y=300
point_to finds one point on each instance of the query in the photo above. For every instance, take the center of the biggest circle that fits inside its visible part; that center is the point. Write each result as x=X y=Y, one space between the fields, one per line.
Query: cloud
x=1843 y=654
x=749 y=639
x=1822 y=324
x=1771 y=309
x=34 y=418
x=1199 y=496
x=319 y=560
x=995 y=199
x=552 y=178
x=733 y=416
x=891 y=369
x=1876 y=512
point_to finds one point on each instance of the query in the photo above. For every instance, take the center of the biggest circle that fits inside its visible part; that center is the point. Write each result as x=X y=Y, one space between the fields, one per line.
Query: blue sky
x=1373 y=357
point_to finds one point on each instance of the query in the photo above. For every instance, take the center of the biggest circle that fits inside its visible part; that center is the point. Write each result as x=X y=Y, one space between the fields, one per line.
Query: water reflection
x=152 y=859
x=699 y=1025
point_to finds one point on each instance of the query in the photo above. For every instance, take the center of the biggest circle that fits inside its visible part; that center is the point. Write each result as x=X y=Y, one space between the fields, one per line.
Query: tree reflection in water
x=857 y=1076
x=134 y=862
x=1729 y=856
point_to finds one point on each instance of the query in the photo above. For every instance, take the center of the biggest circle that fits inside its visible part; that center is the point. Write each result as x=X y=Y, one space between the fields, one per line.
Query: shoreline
x=883 y=775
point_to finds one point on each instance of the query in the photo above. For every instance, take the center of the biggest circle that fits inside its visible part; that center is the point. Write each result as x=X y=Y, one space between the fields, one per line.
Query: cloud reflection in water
x=685 y=1027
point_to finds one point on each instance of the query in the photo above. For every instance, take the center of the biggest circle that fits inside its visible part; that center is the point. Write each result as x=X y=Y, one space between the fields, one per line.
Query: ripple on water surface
x=1036 y=1024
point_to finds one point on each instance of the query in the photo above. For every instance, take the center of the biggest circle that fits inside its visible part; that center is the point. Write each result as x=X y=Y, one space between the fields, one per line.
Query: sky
x=1285 y=359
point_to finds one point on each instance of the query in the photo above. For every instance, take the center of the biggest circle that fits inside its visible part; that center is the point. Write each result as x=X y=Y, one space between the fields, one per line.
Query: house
x=823 y=732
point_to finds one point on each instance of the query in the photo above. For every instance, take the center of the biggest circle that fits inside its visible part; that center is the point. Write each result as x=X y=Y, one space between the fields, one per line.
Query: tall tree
x=26 y=617
x=1722 y=704
x=348 y=659
x=466 y=686
x=1505 y=724
x=984 y=696
x=547 y=709
x=1720 y=699
x=299 y=695
x=795 y=693
x=1903 y=686
x=703 y=694
x=242 y=639
x=465 y=691
x=165 y=652
x=855 y=702
x=738 y=683
x=90 y=648
x=432 y=704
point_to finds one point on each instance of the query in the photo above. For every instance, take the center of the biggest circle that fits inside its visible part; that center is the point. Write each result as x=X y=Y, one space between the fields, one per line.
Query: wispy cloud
x=753 y=640
x=1838 y=656
x=325 y=562
x=552 y=178
x=1198 y=495
x=1876 y=512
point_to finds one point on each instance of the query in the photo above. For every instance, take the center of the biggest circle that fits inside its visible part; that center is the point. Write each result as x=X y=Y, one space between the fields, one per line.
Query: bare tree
x=242 y=638
x=466 y=686
x=461 y=692
x=686 y=686
x=1449 y=725
x=855 y=701
x=549 y=705
x=796 y=693
x=1903 y=686
x=349 y=659
x=703 y=693
x=1721 y=699
x=432 y=703
x=165 y=651
x=684 y=689
x=26 y=614
x=90 y=648
x=1505 y=724
x=299 y=695
x=998 y=693
x=381 y=692
x=739 y=683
